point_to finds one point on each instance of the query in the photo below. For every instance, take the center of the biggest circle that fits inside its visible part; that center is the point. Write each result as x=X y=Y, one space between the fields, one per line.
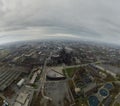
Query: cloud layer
x=97 y=20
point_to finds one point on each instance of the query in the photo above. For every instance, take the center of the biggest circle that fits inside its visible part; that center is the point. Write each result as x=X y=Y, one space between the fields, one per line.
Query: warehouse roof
x=22 y=97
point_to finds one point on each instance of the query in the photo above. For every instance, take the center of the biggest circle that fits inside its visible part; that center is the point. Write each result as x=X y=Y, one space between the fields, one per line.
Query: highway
x=83 y=65
x=43 y=79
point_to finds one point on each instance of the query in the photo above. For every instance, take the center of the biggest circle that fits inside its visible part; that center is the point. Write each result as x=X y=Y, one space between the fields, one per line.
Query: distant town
x=59 y=73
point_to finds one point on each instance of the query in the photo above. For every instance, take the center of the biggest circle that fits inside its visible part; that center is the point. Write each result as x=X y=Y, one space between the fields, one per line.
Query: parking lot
x=58 y=91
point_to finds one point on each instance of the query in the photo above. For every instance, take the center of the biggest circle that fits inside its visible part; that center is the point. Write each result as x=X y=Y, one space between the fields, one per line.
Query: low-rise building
x=20 y=83
x=17 y=104
x=89 y=89
x=33 y=78
x=22 y=97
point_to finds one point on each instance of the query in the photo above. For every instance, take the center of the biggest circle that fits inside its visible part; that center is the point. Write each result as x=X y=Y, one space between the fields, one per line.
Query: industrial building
x=23 y=98
x=89 y=89
x=7 y=76
x=33 y=78
x=20 y=83
x=54 y=75
x=17 y=104
x=35 y=75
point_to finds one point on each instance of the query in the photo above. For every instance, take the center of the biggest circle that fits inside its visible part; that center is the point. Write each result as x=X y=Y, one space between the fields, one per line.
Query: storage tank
x=20 y=83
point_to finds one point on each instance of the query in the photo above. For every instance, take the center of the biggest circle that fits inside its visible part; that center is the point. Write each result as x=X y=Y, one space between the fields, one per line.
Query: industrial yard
x=58 y=74
x=94 y=83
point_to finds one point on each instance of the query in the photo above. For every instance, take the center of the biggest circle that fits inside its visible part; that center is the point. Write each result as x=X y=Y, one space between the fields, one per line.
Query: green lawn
x=69 y=71
x=81 y=102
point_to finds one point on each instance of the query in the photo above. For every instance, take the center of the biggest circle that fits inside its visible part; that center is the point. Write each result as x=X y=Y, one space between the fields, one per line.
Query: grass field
x=70 y=71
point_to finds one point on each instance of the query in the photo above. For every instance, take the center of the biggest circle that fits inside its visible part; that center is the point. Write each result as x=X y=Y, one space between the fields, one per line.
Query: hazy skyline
x=96 y=20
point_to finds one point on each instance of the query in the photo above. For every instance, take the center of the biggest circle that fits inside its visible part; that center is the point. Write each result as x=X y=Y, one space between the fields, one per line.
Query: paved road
x=43 y=79
x=83 y=65
x=117 y=99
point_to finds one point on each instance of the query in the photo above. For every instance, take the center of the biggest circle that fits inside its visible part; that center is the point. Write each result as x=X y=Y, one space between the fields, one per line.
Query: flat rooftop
x=17 y=104
x=22 y=97
x=7 y=76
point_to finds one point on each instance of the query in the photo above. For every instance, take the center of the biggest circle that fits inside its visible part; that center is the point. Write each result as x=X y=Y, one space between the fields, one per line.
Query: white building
x=20 y=83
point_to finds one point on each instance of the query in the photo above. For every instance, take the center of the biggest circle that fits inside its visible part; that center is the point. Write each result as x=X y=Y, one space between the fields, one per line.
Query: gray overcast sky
x=97 y=20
